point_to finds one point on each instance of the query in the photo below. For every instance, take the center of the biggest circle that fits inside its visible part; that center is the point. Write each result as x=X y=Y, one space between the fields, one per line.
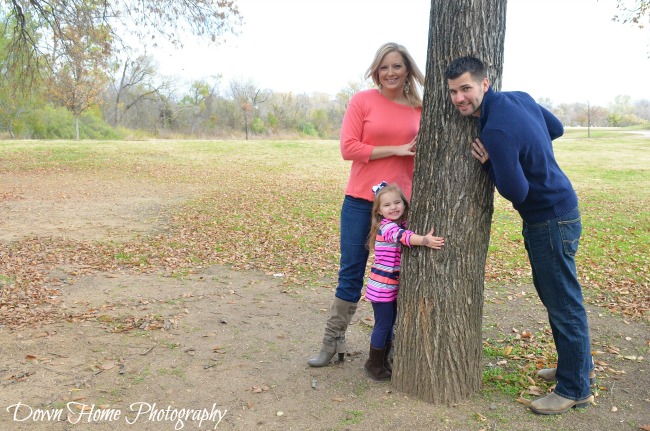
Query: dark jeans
x=551 y=247
x=385 y=316
x=355 y=227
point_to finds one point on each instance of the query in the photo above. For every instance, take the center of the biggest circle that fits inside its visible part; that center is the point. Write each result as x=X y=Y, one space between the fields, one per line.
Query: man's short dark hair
x=473 y=65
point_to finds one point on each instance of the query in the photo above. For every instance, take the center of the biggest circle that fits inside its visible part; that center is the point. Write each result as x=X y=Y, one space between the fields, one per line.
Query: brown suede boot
x=339 y=318
x=388 y=359
x=375 y=364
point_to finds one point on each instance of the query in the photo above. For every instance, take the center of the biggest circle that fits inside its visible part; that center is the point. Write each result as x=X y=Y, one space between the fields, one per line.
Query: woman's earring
x=407 y=88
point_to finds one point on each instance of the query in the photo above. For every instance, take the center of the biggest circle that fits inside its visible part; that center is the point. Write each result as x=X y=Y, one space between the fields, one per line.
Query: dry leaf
x=507 y=350
x=534 y=390
x=524 y=401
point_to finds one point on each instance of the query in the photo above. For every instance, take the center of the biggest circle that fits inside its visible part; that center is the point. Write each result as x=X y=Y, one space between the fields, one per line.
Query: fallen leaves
x=295 y=245
x=260 y=389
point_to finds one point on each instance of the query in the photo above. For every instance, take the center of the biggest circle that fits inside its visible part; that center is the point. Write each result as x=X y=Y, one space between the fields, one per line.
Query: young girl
x=387 y=234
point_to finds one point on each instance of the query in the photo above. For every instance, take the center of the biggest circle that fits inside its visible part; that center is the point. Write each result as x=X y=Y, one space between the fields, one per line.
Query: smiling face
x=392 y=72
x=467 y=94
x=391 y=205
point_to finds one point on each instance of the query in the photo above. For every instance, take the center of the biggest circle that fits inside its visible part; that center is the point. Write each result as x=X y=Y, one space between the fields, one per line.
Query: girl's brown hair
x=377 y=217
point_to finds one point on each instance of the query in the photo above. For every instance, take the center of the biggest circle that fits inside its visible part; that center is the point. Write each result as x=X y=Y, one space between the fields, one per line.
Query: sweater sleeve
x=352 y=147
x=554 y=126
x=505 y=168
x=392 y=232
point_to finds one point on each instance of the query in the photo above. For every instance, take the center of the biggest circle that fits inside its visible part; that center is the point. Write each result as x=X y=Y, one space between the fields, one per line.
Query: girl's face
x=391 y=205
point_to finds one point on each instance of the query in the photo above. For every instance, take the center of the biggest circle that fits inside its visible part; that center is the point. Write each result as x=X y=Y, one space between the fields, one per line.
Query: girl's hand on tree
x=431 y=241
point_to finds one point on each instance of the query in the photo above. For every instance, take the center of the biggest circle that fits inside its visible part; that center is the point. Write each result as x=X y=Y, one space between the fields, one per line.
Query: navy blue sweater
x=517 y=134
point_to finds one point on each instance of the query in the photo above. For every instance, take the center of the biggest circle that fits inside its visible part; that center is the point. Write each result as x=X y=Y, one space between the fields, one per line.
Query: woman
x=378 y=135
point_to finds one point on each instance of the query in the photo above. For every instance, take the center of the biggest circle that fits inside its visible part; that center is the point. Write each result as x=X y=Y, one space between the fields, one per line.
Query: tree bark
x=438 y=345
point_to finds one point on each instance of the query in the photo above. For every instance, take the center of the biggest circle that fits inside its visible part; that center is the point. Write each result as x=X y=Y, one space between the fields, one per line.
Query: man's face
x=467 y=94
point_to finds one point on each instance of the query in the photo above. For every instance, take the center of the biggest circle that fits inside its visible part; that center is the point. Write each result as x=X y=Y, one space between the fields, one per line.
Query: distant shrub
x=309 y=129
x=49 y=122
x=257 y=126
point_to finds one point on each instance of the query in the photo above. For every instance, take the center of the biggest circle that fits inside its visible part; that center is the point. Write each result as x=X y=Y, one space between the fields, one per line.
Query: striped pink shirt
x=383 y=283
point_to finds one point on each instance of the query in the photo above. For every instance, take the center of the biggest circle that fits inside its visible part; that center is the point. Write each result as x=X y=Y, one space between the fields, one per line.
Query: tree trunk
x=246 y=123
x=76 y=125
x=438 y=344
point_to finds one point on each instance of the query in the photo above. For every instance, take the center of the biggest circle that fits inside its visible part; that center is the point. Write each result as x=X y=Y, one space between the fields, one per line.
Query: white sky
x=565 y=50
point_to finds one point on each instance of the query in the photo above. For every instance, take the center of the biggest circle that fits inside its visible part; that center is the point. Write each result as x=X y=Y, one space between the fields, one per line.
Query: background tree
x=143 y=19
x=13 y=102
x=438 y=340
x=79 y=61
x=133 y=81
x=633 y=11
x=248 y=97
x=199 y=105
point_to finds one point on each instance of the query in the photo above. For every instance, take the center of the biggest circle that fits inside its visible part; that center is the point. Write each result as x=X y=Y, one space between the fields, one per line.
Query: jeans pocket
x=570 y=231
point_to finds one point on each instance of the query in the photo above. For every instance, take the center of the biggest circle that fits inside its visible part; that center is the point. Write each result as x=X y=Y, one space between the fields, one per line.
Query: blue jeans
x=551 y=247
x=385 y=316
x=355 y=227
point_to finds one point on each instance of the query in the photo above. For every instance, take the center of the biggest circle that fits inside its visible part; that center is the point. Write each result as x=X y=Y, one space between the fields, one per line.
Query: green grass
x=274 y=205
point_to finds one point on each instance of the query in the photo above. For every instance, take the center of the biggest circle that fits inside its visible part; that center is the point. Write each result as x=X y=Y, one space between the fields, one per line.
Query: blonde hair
x=415 y=77
x=377 y=217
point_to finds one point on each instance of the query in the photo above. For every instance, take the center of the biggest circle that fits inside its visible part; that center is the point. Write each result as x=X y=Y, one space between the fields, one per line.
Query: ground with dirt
x=224 y=349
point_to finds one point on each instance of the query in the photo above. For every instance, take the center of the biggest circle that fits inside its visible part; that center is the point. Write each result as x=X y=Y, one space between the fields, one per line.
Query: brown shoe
x=554 y=404
x=375 y=364
x=548 y=374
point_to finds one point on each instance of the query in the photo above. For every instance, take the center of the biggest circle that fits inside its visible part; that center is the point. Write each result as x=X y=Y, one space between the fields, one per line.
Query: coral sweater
x=373 y=120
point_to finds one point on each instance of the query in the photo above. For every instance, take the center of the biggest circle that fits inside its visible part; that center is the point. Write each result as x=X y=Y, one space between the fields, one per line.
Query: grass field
x=273 y=205
x=107 y=253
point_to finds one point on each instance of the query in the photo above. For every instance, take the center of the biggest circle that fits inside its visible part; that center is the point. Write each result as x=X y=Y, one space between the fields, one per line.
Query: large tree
x=438 y=338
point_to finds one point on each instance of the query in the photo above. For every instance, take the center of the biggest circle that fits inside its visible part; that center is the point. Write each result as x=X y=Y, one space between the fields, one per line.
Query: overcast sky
x=565 y=50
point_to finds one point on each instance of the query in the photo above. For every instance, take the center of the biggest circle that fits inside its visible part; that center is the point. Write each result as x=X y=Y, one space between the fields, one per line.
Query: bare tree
x=248 y=97
x=438 y=339
x=133 y=82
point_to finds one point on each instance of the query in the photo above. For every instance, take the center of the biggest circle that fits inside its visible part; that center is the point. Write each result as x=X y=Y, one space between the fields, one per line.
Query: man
x=515 y=148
